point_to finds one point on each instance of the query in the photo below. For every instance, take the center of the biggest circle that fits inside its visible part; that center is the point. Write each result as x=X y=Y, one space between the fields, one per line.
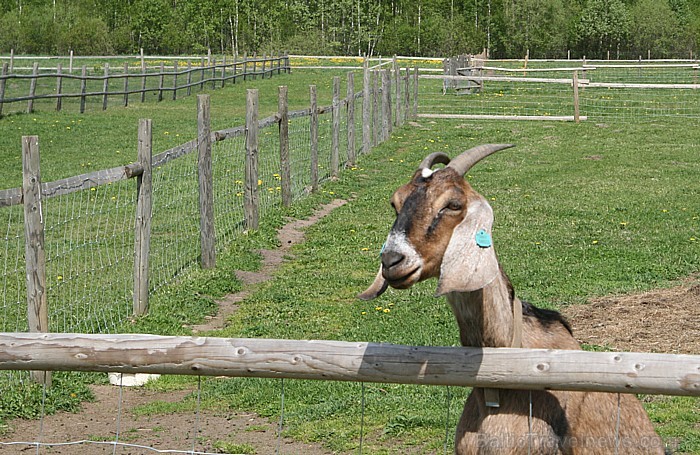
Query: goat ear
x=470 y=261
x=376 y=289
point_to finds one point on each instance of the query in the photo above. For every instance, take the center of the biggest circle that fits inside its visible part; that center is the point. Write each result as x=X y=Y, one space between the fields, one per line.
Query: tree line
x=505 y=28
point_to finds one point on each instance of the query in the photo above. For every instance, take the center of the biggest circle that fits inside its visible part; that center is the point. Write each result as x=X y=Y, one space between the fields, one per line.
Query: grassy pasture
x=581 y=211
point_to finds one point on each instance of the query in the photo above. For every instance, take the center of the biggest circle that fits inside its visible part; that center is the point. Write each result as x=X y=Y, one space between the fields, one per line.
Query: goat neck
x=484 y=316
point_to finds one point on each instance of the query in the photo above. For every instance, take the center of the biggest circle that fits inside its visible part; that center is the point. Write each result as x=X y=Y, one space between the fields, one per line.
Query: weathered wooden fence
x=560 y=90
x=376 y=103
x=528 y=369
x=121 y=83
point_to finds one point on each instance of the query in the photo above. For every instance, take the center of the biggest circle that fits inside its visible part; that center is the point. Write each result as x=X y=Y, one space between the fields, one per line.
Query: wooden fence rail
x=529 y=369
x=219 y=74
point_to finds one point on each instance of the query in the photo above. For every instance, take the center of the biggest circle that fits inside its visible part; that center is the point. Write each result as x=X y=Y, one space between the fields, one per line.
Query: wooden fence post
x=59 y=87
x=245 y=66
x=176 y=67
x=126 y=84
x=313 y=132
x=255 y=66
x=397 y=82
x=189 y=78
x=161 y=81
x=12 y=59
x=350 y=118
x=223 y=72
x=576 y=105
x=415 y=92
x=386 y=105
x=406 y=96
x=70 y=62
x=207 y=234
x=250 y=202
x=83 y=88
x=213 y=74
x=335 y=135
x=201 y=74
x=35 y=254
x=105 y=88
x=3 y=82
x=376 y=127
x=366 y=107
x=32 y=88
x=144 y=204
x=143 y=78
x=285 y=171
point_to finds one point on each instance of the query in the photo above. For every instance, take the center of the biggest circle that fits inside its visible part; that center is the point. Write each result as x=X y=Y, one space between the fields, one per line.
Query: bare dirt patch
x=662 y=320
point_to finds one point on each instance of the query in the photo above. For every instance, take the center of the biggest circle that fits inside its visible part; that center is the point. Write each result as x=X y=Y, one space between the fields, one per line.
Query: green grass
x=568 y=228
x=71 y=143
x=581 y=211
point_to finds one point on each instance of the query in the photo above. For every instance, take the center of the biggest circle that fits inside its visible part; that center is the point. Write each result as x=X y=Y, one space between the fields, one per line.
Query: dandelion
x=595 y=242
x=623 y=223
x=386 y=310
x=260 y=182
x=364 y=313
x=59 y=278
x=365 y=249
x=378 y=308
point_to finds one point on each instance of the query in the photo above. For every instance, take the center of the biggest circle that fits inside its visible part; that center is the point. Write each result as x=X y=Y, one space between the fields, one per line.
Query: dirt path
x=100 y=420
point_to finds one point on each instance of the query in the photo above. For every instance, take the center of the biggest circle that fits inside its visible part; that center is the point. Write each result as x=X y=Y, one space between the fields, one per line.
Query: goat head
x=442 y=229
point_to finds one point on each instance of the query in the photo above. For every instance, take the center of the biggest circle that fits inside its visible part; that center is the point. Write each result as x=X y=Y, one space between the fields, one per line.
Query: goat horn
x=463 y=162
x=434 y=158
x=376 y=289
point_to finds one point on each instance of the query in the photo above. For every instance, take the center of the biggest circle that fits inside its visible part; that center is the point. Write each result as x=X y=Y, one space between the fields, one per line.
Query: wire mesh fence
x=90 y=232
x=97 y=85
x=546 y=90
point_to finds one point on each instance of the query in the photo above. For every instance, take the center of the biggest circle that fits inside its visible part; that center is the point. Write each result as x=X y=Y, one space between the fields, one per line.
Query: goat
x=443 y=229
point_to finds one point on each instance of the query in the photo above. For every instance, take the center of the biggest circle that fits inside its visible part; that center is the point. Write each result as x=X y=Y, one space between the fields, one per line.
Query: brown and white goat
x=443 y=229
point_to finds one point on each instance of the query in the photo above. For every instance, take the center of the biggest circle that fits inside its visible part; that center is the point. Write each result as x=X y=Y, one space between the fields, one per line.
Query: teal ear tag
x=382 y=250
x=483 y=239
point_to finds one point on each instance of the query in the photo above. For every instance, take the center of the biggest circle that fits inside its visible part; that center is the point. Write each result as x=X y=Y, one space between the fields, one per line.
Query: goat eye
x=453 y=206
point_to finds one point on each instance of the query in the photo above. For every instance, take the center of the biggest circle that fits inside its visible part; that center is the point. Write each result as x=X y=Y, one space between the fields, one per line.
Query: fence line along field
x=579 y=208
x=102 y=85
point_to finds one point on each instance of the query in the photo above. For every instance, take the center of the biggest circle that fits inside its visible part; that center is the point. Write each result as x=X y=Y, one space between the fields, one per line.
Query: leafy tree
x=604 y=25
x=655 y=28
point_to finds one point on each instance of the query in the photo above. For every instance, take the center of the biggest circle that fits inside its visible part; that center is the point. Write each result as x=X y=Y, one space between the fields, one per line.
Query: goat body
x=438 y=217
